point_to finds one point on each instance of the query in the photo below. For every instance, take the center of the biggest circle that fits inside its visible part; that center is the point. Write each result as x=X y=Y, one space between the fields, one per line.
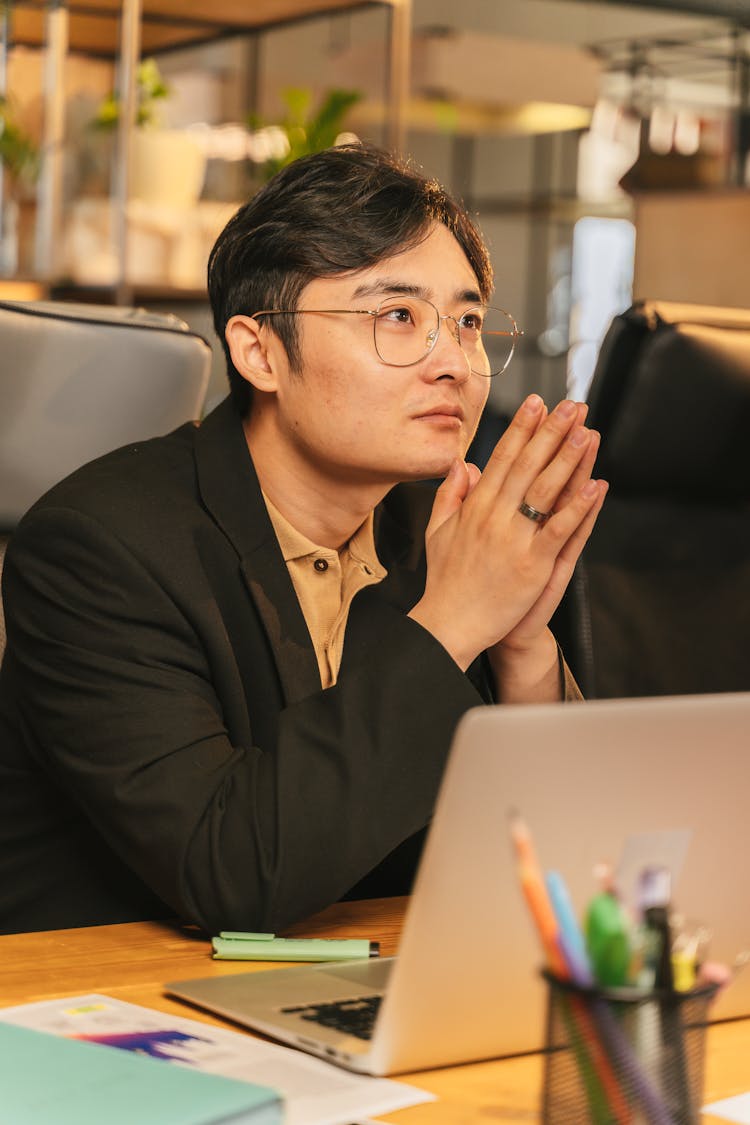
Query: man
x=237 y=654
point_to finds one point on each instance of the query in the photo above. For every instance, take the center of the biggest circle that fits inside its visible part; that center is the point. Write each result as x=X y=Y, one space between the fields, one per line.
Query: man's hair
x=325 y=215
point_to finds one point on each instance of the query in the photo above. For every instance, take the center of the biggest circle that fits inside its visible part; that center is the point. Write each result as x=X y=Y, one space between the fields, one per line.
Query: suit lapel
x=230 y=491
x=399 y=537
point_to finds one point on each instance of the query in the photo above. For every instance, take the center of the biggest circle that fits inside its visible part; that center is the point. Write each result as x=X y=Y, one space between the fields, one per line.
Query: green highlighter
x=608 y=940
x=234 y=945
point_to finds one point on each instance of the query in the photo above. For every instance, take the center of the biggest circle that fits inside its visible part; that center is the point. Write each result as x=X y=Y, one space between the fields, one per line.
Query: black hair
x=335 y=212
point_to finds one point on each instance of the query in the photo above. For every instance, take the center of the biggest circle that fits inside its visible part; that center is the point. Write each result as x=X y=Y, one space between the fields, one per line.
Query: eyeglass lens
x=406 y=329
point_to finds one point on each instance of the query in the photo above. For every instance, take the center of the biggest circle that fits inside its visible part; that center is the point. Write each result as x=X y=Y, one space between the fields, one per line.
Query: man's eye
x=472 y=321
x=400 y=314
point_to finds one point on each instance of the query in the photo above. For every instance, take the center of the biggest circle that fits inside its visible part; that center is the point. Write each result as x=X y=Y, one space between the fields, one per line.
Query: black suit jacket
x=165 y=745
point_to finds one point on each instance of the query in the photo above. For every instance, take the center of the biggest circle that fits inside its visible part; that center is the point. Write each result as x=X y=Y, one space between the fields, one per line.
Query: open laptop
x=586 y=778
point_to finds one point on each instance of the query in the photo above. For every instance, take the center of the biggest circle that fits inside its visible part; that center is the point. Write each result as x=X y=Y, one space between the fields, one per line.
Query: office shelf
x=124 y=30
x=93 y=27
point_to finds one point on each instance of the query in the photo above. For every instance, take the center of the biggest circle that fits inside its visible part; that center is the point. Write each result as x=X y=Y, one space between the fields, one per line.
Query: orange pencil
x=537 y=898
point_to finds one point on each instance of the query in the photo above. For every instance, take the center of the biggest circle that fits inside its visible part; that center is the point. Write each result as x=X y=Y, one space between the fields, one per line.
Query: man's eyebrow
x=387 y=287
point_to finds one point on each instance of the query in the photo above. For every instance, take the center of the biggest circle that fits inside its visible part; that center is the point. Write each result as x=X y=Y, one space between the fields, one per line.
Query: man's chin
x=436 y=470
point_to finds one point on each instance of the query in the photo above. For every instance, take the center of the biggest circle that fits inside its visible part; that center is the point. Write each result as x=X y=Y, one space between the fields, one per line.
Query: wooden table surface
x=132 y=961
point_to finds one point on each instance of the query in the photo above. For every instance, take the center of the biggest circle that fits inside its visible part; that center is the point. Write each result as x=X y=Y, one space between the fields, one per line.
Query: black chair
x=3 y=545
x=660 y=602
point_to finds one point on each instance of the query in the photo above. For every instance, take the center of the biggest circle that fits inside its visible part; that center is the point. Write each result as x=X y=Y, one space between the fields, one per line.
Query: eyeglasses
x=406 y=329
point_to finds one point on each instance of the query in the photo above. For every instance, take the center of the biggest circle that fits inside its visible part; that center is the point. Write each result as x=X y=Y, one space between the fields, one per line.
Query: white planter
x=8 y=236
x=167 y=167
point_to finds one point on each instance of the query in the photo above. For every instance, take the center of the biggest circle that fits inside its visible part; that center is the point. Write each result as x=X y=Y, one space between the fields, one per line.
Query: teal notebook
x=49 y=1080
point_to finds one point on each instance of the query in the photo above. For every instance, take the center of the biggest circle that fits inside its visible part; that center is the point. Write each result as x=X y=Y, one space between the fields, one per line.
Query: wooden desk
x=132 y=961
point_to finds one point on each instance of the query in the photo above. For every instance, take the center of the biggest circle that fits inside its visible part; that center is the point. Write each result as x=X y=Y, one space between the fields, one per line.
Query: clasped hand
x=495 y=576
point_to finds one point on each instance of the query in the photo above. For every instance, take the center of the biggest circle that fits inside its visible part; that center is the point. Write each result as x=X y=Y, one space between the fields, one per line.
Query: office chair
x=660 y=602
x=79 y=380
x=3 y=545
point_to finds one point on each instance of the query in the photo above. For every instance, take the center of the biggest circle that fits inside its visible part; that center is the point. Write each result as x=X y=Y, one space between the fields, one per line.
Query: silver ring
x=532 y=513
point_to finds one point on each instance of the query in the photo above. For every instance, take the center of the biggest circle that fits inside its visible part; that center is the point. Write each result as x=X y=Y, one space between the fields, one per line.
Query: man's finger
x=577 y=541
x=582 y=473
x=566 y=532
x=519 y=465
x=544 y=492
x=524 y=424
x=451 y=494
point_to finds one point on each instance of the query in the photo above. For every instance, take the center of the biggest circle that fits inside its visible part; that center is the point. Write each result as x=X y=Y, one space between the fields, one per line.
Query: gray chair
x=79 y=380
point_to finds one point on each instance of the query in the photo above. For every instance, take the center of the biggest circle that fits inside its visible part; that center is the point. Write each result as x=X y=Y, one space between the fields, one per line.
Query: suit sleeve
x=118 y=706
x=569 y=689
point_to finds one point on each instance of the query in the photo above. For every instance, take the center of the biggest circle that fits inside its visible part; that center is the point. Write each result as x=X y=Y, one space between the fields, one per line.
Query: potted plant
x=167 y=166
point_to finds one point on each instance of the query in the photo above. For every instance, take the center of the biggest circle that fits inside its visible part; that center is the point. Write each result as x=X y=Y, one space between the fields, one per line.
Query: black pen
x=655 y=888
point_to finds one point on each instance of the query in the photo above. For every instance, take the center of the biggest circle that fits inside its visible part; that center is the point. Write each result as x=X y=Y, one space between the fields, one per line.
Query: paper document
x=735 y=1109
x=314 y=1092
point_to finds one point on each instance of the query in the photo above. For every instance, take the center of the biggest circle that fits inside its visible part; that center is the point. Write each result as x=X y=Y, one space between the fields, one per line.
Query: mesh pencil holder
x=623 y=1055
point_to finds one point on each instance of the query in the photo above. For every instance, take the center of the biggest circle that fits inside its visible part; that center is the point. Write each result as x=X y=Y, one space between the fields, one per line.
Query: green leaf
x=150 y=88
x=19 y=154
x=297 y=101
x=326 y=125
x=306 y=131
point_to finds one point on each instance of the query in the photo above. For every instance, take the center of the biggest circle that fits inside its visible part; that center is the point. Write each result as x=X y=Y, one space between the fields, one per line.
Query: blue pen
x=572 y=945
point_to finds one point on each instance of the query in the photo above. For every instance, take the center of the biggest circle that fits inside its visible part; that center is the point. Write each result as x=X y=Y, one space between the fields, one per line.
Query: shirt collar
x=295 y=545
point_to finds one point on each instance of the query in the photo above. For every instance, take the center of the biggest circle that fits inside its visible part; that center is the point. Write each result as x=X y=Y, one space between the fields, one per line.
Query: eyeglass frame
x=374 y=313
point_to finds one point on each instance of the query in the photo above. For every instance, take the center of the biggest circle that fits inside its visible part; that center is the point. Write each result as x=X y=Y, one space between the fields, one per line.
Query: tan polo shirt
x=325 y=582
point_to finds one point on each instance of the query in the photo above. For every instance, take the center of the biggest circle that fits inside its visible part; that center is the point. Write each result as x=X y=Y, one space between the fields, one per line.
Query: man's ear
x=252 y=355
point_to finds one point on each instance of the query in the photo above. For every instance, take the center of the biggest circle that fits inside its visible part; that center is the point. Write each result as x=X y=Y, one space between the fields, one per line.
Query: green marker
x=232 y=945
x=608 y=940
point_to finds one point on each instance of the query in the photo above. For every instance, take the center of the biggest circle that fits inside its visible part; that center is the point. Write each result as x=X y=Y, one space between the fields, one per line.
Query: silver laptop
x=587 y=778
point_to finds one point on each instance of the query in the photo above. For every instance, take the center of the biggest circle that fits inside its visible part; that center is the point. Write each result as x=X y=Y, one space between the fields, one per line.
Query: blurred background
x=602 y=145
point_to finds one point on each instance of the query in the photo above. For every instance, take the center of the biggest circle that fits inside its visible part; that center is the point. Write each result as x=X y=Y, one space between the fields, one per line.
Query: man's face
x=349 y=416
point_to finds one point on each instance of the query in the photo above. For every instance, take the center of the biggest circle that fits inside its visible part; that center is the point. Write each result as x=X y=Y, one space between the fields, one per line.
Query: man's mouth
x=443 y=411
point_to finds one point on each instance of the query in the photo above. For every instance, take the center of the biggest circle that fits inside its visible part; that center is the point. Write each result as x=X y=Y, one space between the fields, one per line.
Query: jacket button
x=321 y=565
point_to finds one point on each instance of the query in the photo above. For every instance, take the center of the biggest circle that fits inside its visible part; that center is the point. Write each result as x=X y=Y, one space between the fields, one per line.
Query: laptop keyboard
x=353 y=1017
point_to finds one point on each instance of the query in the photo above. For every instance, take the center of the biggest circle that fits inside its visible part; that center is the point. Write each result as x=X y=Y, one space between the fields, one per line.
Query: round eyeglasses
x=406 y=329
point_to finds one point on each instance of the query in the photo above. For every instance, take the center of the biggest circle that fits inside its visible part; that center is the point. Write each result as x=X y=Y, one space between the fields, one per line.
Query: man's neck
x=326 y=509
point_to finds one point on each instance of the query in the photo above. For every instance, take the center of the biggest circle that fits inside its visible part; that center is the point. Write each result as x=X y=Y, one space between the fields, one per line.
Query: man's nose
x=447 y=357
